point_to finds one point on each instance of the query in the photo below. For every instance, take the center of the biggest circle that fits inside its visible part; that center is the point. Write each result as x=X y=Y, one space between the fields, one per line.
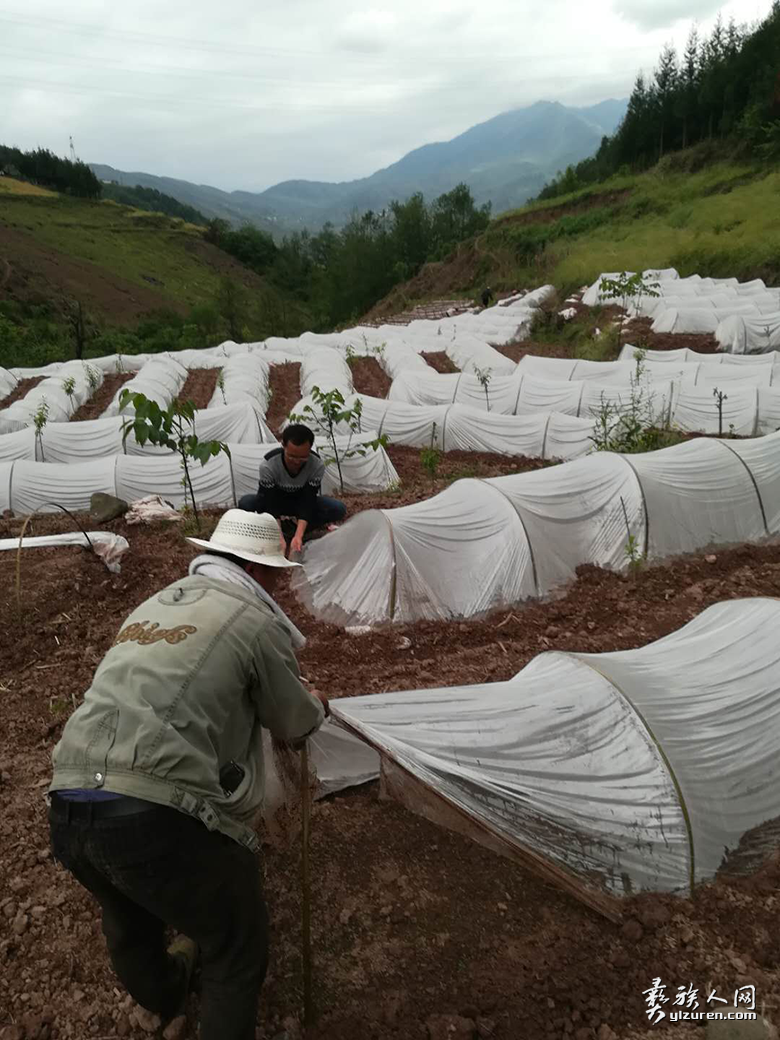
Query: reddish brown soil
x=456 y=274
x=23 y=387
x=285 y=383
x=97 y=404
x=640 y=333
x=439 y=360
x=199 y=386
x=369 y=378
x=409 y=921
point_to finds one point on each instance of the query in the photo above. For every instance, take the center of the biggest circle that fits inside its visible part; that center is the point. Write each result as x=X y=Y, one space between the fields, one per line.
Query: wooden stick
x=308 y=1006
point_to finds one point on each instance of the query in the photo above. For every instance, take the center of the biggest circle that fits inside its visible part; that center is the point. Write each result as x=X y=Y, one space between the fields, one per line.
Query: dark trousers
x=326 y=510
x=162 y=868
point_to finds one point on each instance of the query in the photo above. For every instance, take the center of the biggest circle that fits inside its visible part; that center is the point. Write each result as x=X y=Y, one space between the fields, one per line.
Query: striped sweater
x=284 y=494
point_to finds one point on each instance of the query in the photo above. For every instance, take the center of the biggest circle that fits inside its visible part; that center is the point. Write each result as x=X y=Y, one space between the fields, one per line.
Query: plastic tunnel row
x=29 y=486
x=744 y=317
x=747 y=410
x=625 y=771
x=484 y=544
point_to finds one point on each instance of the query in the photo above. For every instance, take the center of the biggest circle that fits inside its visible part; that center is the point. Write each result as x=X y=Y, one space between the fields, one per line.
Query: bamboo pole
x=308 y=1005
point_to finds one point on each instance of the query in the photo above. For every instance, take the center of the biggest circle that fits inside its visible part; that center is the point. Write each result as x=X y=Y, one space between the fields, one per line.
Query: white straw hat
x=250 y=536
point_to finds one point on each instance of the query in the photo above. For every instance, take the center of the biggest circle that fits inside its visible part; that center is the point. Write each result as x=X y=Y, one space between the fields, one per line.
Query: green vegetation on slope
x=153 y=200
x=721 y=220
x=146 y=282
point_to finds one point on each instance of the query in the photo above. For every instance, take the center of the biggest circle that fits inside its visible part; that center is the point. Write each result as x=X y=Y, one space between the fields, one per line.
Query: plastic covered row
x=483 y=544
x=27 y=486
x=97 y=438
x=614 y=773
x=52 y=397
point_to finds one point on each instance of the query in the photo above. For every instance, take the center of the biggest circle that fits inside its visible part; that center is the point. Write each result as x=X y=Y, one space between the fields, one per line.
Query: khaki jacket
x=191 y=678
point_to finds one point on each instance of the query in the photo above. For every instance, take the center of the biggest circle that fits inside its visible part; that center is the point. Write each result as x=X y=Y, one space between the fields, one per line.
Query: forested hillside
x=724 y=88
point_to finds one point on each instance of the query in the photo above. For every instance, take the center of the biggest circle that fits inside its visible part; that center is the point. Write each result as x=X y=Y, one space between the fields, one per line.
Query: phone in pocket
x=230 y=777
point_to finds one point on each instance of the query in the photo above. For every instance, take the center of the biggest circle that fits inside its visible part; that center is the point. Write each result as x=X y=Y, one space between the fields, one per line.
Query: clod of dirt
x=632 y=931
x=450 y=1027
x=760 y=1029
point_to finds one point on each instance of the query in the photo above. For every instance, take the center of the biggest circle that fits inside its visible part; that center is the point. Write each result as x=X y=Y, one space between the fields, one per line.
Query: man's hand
x=296 y=545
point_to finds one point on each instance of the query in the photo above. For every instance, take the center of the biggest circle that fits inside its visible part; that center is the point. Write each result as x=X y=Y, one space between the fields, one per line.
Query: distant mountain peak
x=505 y=160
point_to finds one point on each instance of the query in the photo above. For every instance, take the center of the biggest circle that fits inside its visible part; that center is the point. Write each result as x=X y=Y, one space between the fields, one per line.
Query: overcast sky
x=242 y=94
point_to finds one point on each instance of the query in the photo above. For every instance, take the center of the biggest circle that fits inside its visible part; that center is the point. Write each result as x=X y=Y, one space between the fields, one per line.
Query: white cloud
x=660 y=14
x=245 y=95
x=370 y=30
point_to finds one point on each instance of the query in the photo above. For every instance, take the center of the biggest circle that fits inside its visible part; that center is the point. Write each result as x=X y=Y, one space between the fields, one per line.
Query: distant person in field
x=289 y=486
x=487 y=296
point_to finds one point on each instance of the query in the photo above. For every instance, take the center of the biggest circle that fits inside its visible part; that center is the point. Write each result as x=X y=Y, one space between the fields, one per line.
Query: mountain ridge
x=504 y=160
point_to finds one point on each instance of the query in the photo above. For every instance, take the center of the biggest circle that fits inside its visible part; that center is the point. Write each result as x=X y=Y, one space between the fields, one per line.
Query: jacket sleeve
x=283 y=704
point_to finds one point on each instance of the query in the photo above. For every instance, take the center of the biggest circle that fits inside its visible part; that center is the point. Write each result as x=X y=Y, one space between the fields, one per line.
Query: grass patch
x=136 y=245
x=719 y=219
x=11 y=186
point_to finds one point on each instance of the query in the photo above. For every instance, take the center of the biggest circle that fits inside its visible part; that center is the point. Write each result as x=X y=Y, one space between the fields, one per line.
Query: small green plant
x=40 y=418
x=379 y=352
x=221 y=385
x=628 y=287
x=720 y=397
x=69 y=386
x=635 y=425
x=58 y=707
x=484 y=375
x=119 y=365
x=636 y=558
x=430 y=457
x=174 y=428
x=327 y=413
x=350 y=355
x=93 y=378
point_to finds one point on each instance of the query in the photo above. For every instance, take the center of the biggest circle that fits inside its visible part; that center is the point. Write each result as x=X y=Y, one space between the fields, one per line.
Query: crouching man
x=290 y=480
x=159 y=775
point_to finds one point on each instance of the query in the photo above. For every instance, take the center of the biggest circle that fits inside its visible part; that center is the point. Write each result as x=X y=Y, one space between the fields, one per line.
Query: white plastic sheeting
x=593 y=296
x=160 y=380
x=700 y=320
x=692 y=368
x=244 y=380
x=750 y=335
x=7 y=383
x=27 y=486
x=325 y=368
x=108 y=546
x=51 y=390
x=484 y=544
x=743 y=316
x=98 y=438
x=548 y=435
x=629 y=771
x=751 y=407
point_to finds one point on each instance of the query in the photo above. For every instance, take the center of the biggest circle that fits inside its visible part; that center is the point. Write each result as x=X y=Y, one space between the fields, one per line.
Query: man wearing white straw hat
x=159 y=775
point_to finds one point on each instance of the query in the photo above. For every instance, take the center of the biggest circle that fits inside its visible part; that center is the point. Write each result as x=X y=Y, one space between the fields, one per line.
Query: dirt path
x=199 y=386
x=285 y=385
x=22 y=388
x=369 y=378
x=440 y=361
x=100 y=400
